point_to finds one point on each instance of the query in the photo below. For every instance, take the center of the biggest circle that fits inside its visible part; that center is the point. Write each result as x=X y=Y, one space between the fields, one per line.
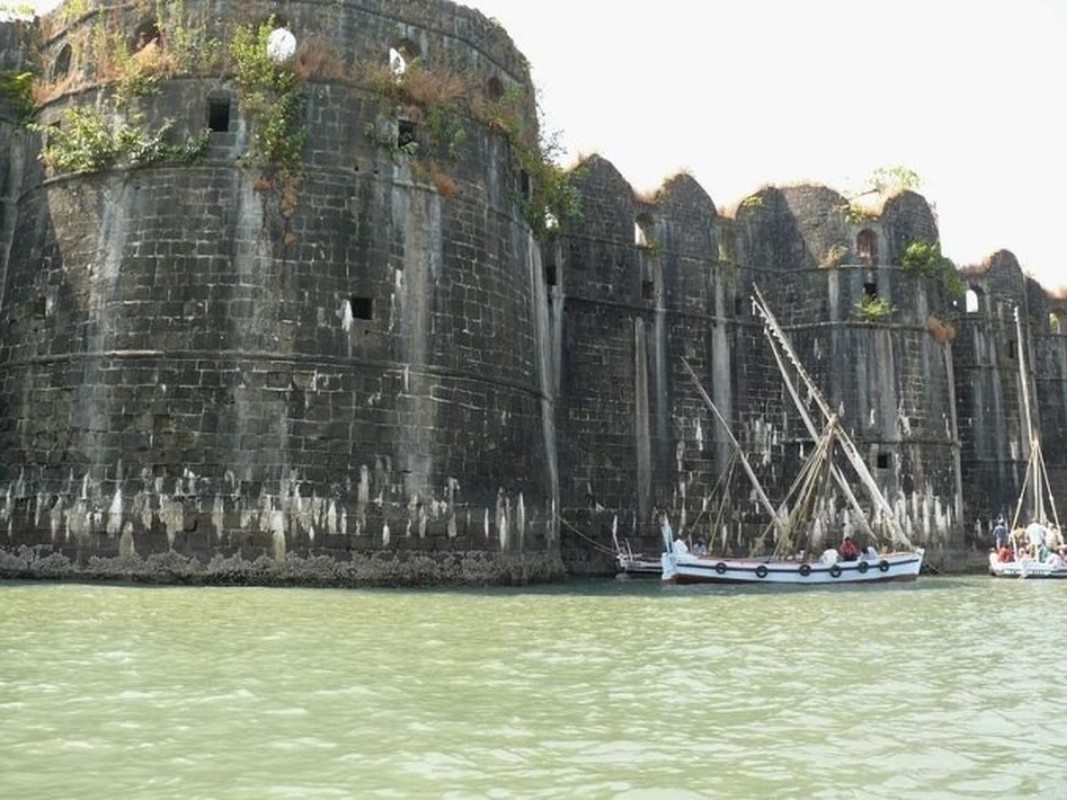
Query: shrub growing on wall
x=924 y=258
x=273 y=97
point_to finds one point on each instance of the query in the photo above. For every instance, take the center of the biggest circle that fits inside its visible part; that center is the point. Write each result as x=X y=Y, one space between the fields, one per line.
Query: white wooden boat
x=1036 y=551
x=631 y=564
x=1025 y=566
x=827 y=571
x=791 y=528
x=637 y=565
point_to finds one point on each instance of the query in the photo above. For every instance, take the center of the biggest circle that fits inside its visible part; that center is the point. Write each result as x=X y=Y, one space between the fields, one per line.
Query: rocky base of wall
x=590 y=565
x=955 y=561
x=382 y=569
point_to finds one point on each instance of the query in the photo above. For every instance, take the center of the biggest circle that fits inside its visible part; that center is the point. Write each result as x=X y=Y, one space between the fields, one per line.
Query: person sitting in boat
x=1005 y=554
x=679 y=547
x=869 y=553
x=848 y=550
x=699 y=548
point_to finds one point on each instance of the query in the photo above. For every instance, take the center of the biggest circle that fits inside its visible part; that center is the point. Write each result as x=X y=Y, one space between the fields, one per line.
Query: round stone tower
x=273 y=310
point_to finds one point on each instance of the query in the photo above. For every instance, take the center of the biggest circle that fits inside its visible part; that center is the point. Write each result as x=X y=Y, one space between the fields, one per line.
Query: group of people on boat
x=846 y=551
x=1035 y=542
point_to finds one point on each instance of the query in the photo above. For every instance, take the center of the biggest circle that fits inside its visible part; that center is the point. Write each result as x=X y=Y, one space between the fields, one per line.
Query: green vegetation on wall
x=924 y=258
x=17 y=87
x=554 y=199
x=441 y=100
x=273 y=98
x=117 y=134
x=894 y=178
x=874 y=308
x=856 y=213
x=87 y=142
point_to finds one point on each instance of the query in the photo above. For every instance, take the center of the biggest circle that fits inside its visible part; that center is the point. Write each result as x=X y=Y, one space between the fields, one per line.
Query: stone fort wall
x=372 y=372
x=220 y=361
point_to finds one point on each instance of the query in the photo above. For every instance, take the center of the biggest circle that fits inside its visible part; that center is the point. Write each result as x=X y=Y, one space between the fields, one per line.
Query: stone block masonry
x=360 y=367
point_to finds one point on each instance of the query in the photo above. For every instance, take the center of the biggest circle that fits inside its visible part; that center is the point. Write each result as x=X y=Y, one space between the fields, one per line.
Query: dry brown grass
x=421 y=85
x=940 y=330
x=834 y=256
x=440 y=86
x=316 y=59
x=446 y=185
x=44 y=91
x=290 y=196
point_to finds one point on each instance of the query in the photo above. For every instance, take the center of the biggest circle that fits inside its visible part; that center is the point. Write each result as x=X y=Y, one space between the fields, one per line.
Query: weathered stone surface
x=373 y=374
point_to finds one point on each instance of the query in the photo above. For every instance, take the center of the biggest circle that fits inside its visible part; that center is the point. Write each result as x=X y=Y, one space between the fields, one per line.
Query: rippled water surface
x=950 y=687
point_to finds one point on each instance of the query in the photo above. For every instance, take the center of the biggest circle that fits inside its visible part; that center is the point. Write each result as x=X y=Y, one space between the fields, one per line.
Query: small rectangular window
x=648 y=289
x=218 y=114
x=870 y=290
x=405 y=134
x=362 y=307
x=883 y=461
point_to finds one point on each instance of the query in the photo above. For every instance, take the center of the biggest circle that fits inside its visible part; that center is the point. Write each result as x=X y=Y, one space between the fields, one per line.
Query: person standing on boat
x=1000 y=534
x=848 y=551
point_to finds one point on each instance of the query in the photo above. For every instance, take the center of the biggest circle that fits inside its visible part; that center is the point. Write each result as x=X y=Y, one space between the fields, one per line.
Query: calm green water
x=944 y=688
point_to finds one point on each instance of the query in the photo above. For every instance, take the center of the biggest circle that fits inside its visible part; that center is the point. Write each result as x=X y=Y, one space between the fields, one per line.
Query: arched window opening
x=62 y=65
x=866 y=246
x=144 y=35
x=971 y=302
x=643 y=230
x=401 y=55
x=407 y=140
x=218 y=113
x=495 y=88
x=1054 y=322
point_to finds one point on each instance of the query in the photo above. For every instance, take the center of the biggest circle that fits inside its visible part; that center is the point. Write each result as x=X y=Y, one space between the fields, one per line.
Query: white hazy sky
x=970 y=95
x=967 y=93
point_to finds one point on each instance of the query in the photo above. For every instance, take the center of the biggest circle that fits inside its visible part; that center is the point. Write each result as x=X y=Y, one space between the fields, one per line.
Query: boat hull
x=1024 y=569
x=688 y=568
x=639 y=567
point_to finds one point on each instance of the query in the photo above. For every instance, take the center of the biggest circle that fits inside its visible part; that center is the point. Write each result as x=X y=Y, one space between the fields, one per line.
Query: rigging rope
x=591 y=540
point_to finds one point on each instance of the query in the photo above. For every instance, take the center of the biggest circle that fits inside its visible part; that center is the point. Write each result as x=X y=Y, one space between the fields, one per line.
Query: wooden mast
x=778 y=340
